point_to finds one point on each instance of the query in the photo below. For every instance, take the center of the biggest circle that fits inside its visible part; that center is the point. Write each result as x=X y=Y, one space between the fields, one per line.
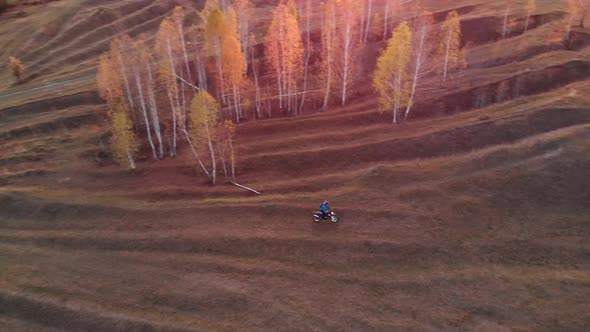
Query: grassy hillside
x=472 y=216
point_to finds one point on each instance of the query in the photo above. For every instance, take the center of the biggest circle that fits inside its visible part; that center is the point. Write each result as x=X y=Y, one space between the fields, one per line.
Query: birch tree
x=328 y=49
x=244 y=10
x=124 y=145
x=178 y=19
x=368 y=18
x=208 y=7
x=227 y=132
x=122 y=69
x=109 y=89
x=450 y=44
x=139 y=84
x=284 y=51
x=199 y=57
x=168 y=46
x=254 y=65
x=347 y=30
x=234 y=64
x=148 y=84
x=215 y=30
x=391 y=76
x=204 y=117
x=308 y=50
x=421 y=48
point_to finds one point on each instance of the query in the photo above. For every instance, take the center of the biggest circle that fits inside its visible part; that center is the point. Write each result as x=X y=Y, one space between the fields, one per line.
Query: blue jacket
x=324 y=208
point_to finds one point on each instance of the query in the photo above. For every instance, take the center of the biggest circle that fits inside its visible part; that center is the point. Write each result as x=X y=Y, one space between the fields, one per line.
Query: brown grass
x=470 y=217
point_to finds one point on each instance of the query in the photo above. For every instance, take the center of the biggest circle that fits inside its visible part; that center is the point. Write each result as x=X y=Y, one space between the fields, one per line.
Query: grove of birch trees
x=194 y=80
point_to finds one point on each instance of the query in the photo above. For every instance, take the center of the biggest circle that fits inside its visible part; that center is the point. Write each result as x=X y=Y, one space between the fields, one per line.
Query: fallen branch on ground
x=244 y=187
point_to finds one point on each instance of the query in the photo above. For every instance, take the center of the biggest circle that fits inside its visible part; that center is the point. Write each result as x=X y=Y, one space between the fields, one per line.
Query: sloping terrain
x=472 y=216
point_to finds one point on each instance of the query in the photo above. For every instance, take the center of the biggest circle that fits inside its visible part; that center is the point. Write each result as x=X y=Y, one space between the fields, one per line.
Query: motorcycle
x=319 y=216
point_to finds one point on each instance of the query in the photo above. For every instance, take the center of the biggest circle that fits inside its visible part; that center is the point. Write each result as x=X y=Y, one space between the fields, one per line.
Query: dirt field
x=472 y=216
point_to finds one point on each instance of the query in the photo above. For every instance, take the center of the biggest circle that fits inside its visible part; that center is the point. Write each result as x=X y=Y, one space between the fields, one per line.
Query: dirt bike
x=319 y=216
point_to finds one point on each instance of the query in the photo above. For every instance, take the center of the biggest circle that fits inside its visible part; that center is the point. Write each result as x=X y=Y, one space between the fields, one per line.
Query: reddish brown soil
x=471 y=216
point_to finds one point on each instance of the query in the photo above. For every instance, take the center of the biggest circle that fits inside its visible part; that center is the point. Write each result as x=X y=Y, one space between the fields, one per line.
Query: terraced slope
x=473 y=215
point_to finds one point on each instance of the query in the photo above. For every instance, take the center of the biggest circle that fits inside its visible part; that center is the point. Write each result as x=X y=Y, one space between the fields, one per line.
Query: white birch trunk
x=221 y=150
x=144 y=111
x=173 y=108
x=212 y=151
x=154 y=112
x=195 y=153
x=232 y=157
x=268 y=104
x=131 y=160
x=174 y=124
x=347 y=50
x=220 y=71
x=201 y=72
x=307 y=54
x=283 y=66
x=417 y=71
x=127 y=85
x=184 y=52
x=368 y=21
x=397 y=93
x=448 y=50
x=256 y=84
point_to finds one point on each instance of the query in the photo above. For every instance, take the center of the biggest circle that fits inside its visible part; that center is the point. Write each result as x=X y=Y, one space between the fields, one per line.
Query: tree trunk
x=232 y=157
x=174 y=125
x=186 y=62
x=154 y=111
x=368 y=21
x=201 y=72
x=127 y=88
x=446 y=68
x=195 y=153
x=236 y=103
x=222 y=153
x=268 y=104
x=145 y=115
x=212 y=151
x=221 y=88
x=417 y=71
x=130 y=158
x=307 y=54
x=347 y=44
x=526 y=23
x=173 y=108
x=256 y=83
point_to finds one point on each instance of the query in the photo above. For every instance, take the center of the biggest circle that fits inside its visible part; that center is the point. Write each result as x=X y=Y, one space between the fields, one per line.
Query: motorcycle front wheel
x=334 y=219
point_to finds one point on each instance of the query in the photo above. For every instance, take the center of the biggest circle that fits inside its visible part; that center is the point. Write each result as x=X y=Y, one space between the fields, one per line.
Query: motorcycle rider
x=325 y=209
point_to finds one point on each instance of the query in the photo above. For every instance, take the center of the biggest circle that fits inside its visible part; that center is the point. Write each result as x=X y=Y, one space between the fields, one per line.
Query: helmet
x=326 y=201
